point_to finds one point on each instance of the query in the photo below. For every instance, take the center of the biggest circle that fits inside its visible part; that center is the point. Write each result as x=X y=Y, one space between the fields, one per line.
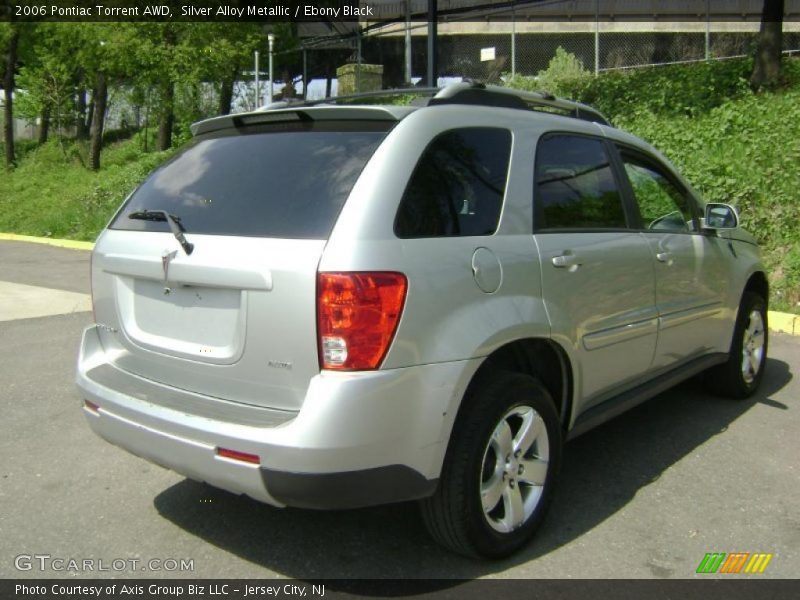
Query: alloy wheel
x=514 y=469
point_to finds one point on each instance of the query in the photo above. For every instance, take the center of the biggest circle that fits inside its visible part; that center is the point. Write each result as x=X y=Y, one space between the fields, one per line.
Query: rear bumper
x=359 y=439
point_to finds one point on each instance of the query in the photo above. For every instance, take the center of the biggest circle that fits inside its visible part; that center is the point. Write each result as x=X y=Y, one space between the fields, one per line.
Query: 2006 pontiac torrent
x=335 y=306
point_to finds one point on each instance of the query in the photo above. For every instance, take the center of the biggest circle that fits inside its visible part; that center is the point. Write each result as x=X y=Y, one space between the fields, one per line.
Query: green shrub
x=563 y=75
x=669 y=90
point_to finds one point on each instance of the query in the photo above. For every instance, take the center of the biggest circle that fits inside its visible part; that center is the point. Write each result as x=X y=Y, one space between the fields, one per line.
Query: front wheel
x=500 y=469
x=741 y=375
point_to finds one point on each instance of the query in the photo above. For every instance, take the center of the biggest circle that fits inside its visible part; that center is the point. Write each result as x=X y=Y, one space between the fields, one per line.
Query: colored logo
x=735 y=562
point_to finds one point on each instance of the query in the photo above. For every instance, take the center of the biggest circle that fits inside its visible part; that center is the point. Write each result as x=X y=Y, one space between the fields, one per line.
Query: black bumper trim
x=348 y=489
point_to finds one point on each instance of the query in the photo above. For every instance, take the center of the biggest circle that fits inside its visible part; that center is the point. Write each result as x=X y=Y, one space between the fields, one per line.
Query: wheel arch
x=758 y=283
x=541 y=358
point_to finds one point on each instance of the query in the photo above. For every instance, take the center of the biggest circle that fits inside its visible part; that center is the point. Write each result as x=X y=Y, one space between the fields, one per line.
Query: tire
x=741 y=375
x=496 y=414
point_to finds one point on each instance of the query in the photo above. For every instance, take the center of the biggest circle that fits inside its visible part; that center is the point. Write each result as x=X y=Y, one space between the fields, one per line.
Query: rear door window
x=458 y=185
x=280 y=181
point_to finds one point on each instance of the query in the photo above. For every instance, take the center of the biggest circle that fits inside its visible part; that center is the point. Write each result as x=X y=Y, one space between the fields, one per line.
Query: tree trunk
x=8 y=89
x=146 y=121
x=44 y=125
x=90 y=112
x=98 y=120
x=226 y=93
x=167 y=118
x=81 y=131
x=767 y=63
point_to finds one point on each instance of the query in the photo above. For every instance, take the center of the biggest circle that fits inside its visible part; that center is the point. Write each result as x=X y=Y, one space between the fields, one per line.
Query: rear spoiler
x=301 y=114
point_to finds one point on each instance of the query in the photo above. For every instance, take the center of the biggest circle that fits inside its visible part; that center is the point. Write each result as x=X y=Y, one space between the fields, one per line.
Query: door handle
x=566 y=261
x=664 y=257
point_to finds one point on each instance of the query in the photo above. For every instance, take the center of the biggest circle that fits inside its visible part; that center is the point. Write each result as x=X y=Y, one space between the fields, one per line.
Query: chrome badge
x=166 y=258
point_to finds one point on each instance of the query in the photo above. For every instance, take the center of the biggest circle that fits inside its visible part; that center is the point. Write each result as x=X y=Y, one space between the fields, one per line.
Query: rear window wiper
x=173 y=221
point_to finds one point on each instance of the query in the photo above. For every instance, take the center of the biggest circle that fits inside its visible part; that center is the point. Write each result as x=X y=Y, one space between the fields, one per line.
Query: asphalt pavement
x=646 y=495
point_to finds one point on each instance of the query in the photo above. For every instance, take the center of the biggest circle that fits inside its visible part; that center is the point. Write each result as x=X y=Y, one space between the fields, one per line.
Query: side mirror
x=720 y=216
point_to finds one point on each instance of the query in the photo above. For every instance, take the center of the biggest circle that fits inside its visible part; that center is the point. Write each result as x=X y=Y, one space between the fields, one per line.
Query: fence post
x=513 y=41
x=305 y=74
x=596 y=37
x=708 y=29
x=258 y=91
x=358 y=59
x=408 y=43
x=271 y=41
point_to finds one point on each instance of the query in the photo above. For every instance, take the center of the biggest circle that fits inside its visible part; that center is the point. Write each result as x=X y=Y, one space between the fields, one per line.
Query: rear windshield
x=281 y=181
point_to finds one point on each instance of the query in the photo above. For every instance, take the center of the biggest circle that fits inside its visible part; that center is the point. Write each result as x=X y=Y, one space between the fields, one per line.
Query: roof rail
x=422 y=91
x=469 y=92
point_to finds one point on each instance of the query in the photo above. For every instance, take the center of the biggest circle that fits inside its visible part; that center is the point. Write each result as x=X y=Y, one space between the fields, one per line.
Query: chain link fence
x=508 y=38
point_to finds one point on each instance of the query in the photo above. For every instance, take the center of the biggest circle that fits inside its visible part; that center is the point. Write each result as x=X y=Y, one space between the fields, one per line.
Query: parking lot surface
x=646 y=495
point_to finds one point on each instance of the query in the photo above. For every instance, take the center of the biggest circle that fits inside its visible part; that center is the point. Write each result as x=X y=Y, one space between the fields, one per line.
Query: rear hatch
x=235 y=316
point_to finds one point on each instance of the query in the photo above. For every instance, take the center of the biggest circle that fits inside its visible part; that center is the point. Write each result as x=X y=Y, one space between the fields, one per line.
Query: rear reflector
x=357 y=316
x=253 y=459
x=91 y=406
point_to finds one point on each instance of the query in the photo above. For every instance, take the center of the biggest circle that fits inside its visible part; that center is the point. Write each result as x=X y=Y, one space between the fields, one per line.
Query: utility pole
x=408 y=74
x=271 y=40
x=258 y=90
x=708 y=29
x=433 y=45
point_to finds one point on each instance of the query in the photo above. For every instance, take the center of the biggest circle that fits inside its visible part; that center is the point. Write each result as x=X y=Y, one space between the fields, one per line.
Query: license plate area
x=188 y=321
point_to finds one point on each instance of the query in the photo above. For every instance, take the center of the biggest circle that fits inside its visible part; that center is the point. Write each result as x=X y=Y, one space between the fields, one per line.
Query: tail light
x=357 y=316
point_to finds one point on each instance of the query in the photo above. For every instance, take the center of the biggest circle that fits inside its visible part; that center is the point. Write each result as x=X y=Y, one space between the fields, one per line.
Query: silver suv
x=335 y=306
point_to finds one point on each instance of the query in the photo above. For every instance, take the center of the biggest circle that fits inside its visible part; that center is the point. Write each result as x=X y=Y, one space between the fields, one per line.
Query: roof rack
x=473 y=93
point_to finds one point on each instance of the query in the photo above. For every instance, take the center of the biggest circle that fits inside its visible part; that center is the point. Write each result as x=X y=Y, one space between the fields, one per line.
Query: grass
x=52 y=194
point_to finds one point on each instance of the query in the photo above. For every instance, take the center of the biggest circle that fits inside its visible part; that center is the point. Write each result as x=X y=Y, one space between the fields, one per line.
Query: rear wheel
x=741 y=375
x=500 y=469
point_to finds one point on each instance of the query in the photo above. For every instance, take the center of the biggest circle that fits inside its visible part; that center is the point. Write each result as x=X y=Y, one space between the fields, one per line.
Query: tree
x=98 y=119
x=10 y=68
x=226 y=90
x=166 y=118
x=105 y=55
x=47 y=79
x=218 y=52
x=767 y=63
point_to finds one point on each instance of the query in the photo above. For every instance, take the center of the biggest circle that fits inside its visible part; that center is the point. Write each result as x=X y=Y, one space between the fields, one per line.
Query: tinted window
x=575 y=186
x=662 y=205
x=457 y=186
x=288 y=183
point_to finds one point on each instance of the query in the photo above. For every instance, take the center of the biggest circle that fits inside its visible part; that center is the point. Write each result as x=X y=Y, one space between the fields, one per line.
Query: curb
x=779 y=322
x=72 y=244
x=783 y=322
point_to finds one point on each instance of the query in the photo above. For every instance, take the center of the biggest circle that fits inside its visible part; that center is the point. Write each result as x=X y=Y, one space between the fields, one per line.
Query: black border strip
x=373 y=13
x=729 y=588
